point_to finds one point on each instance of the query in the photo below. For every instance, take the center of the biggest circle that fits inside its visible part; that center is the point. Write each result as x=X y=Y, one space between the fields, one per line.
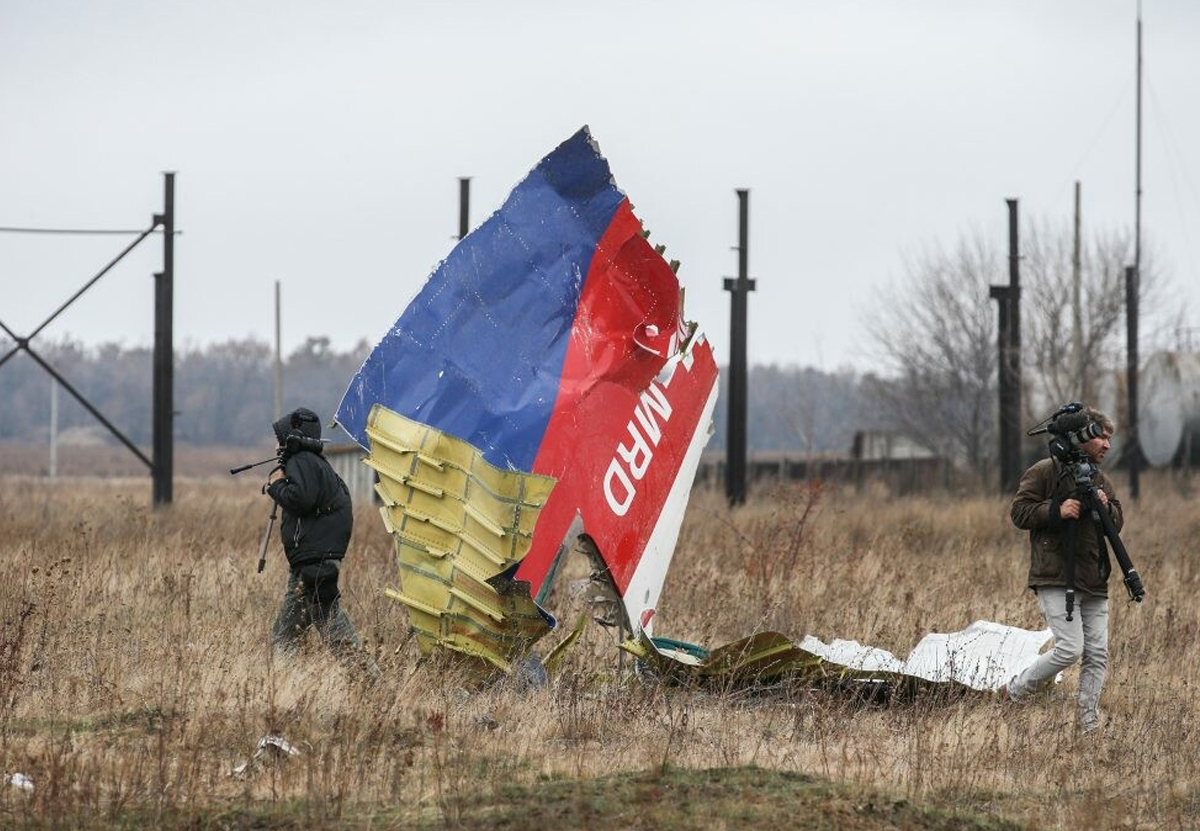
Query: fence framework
x=161 y=463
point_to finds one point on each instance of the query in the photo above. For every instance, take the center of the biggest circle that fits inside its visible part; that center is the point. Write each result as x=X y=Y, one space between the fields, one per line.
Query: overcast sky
x=320 y=144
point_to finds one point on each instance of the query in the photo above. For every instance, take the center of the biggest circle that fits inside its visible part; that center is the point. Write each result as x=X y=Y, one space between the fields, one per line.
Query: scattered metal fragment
x=461 y=527
x=269 y=748
x=982 y=657
x=19 y=781
x=486 y=721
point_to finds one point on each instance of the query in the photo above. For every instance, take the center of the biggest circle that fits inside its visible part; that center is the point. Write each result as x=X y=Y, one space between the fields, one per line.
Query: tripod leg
x=262 y=554
x=1133 y=581
x=1072 y=529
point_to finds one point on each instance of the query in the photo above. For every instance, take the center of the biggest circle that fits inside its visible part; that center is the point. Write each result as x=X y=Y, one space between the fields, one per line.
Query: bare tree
x=1058 y=370
x=935 y=335
x=799 y=408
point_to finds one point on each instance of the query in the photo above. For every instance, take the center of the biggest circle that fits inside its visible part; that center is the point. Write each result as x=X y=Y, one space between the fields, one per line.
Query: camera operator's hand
x=1102 y=496
x=1069 y=509
x=275 y=476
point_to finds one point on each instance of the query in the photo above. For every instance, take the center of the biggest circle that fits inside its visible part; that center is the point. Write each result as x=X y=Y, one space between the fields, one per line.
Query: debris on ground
x=274 y=749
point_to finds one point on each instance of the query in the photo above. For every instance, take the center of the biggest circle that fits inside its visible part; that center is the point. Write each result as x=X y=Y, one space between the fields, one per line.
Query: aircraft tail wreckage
x=545 y=376
x=544 y=372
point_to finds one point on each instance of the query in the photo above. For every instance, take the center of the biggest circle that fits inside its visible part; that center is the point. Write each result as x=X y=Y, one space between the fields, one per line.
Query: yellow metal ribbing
x=458 y=523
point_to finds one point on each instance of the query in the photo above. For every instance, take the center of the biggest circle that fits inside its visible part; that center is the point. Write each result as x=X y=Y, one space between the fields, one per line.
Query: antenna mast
x=1133 y=279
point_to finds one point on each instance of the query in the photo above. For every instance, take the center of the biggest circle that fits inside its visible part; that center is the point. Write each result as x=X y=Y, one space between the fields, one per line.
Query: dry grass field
x=135 y=674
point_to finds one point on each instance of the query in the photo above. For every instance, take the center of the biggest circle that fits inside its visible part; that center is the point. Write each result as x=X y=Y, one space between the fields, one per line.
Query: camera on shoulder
x=296 y=442
x=1070 y=428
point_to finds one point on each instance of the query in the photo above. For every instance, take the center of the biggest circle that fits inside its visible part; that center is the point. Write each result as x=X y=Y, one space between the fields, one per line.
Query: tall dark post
x=1134 y=454
x=1000 y=295
x=1082 y=372
x=735 y=438
x=1133 y=277
x=1137 y=218
x=464 y=205
x=1014 y=346
x=163 y=469
x=278 y=375
x=1009 y=366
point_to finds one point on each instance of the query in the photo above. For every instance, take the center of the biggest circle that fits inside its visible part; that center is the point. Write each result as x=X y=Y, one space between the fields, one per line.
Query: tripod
x=266 y=541
x=1083 y=472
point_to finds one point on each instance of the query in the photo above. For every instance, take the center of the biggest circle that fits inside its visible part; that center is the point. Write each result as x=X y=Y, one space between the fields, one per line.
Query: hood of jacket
x=304 y=420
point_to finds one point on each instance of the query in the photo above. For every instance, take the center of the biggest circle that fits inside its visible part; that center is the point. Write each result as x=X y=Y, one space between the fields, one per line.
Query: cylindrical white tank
x=1168 y=404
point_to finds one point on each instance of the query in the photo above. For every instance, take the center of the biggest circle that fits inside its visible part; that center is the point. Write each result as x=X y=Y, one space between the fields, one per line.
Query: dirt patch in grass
x=674 y=798
x=746 y=797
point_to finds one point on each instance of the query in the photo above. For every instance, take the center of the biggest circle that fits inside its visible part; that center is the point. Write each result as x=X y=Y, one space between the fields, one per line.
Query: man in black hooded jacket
x=317 y=521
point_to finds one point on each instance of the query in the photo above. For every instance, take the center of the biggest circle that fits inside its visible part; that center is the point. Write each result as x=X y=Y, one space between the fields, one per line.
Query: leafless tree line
x=935 y=332
x=223 y=391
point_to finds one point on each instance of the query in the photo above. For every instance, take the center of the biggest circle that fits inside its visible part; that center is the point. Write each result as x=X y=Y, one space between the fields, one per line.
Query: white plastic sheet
x=983 y=656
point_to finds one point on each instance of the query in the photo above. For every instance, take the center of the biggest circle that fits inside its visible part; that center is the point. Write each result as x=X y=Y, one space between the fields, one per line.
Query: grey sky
x=319 y=144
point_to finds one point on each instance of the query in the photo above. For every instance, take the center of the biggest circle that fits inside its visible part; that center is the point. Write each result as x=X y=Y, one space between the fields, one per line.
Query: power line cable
x=12 y=229
x=1178 y=162
x=1074 y=174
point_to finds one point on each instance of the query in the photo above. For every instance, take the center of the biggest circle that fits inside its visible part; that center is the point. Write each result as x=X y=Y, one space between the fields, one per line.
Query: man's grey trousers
x=1085 y=637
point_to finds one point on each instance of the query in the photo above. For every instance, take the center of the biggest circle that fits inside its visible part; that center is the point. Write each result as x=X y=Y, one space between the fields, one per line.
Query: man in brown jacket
x=1045 y=504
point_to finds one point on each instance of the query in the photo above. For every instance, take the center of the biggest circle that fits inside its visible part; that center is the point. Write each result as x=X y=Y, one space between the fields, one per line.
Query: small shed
x=347 y=462
x=883 y=445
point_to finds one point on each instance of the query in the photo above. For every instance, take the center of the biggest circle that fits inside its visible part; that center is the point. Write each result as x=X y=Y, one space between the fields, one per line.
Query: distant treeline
x=224 y=395
x=224 y=392
x=801 y=410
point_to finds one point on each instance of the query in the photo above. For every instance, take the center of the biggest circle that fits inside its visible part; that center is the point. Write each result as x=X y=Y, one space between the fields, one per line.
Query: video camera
x=297 y=441
x=293 y=443
x=1070 y=428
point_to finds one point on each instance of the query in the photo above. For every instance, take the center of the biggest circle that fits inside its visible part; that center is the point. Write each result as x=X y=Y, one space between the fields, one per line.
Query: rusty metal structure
x=161 y=461
x=1008 y=299
x=739 y=373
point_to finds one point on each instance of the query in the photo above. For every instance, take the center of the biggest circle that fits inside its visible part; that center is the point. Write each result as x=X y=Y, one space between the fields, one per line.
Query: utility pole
x=53 y=428
x=278 y=356
x=1137 y=221
x=1132 y=281
x=464 y=205
x=1014 y=338
x=163 y=467
x=1001 y=294
x=1081 y=371
x=1134 y=453
x=739 y=289
x=1009 y=359
x=160 y=461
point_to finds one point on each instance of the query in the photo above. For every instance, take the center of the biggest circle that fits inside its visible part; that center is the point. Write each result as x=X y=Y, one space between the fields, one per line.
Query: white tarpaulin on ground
x=983 y=656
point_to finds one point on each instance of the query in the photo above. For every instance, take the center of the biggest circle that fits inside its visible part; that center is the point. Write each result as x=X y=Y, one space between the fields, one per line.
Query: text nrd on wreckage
x=544 y=381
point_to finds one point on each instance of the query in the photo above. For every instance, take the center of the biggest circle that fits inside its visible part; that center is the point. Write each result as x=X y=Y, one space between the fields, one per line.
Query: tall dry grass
x=135 y=673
